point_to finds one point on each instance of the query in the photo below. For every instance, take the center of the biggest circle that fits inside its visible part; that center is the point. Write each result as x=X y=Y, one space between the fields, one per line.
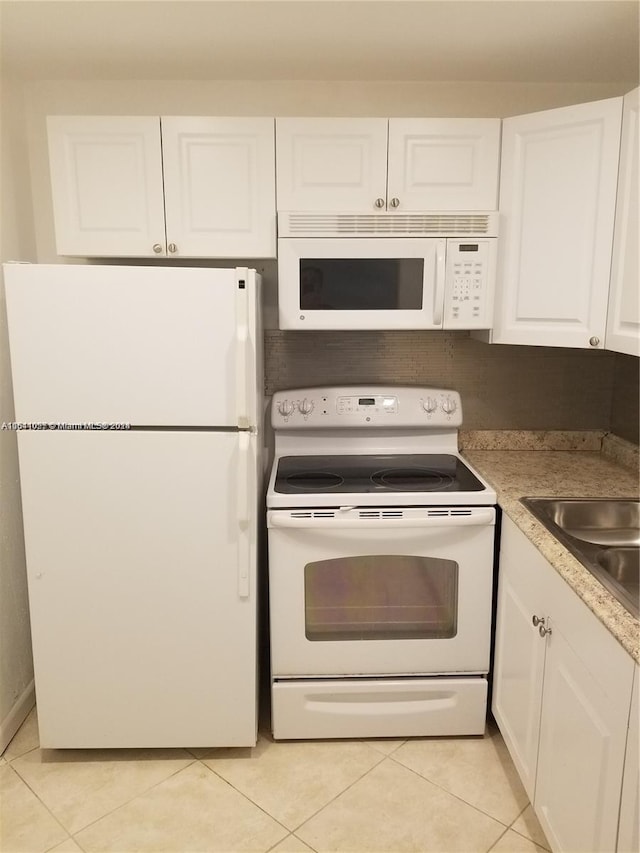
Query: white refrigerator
x=138 y=412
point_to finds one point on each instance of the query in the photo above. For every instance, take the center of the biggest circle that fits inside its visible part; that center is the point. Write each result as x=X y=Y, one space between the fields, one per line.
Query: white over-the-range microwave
x=386 y=271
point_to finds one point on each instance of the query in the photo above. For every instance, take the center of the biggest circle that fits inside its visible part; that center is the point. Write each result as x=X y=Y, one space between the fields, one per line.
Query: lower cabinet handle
x=537 y=620
x=544 y=631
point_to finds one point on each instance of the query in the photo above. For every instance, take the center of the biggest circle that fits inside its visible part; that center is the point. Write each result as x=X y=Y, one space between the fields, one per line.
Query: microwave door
x=364 y=283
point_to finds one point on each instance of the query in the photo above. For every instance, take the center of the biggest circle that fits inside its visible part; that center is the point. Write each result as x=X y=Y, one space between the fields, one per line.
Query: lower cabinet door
x=581 y=755
x=629 y=831
x=519 y=651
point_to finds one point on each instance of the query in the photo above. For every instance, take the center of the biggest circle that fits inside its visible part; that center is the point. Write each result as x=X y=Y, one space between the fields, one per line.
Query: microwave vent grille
x=327 y=224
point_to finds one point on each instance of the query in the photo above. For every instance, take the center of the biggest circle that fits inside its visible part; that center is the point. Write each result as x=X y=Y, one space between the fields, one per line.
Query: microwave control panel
x=469 y=284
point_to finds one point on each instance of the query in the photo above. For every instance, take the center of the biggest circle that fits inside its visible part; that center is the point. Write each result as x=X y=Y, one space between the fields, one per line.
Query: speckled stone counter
x=608 y=468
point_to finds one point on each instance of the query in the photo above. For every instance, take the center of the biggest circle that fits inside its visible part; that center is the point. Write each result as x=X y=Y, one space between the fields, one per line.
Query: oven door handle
x=475 y=517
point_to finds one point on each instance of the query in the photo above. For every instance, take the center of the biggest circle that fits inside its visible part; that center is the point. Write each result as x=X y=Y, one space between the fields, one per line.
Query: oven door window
x=361 y=284
x=381 y=597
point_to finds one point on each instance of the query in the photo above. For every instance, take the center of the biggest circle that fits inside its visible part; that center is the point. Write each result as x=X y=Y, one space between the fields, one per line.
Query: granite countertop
x=588 y=465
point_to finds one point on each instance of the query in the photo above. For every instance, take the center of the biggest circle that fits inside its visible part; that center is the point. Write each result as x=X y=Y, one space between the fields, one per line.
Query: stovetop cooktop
x=378 y=473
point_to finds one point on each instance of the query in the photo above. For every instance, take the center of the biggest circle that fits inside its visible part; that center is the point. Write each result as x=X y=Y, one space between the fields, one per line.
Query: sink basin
x=603 y=522
x=623 y=564
x=604 y=534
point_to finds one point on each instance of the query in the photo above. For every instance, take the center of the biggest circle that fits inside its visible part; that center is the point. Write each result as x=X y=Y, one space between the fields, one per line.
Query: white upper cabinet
x=106 y=178
x=337 y=164
x=557 y=208
x=623 y=320
x=219 y=186
x=443 y=164
x=369 y=165
x=149 y=187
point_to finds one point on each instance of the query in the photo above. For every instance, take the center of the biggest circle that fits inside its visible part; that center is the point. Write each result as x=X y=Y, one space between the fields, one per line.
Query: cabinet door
x=581 y=757
x=557 y=206
x=519 y=651
x=443 y=164
x=219 y=184
x=337 y=164
x=106 y=178
x=623 y=321
x=629 y=829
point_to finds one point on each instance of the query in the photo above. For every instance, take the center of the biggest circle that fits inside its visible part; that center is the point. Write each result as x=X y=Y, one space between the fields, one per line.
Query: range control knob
x=305 y=407
x=449 y=405
x=429 y=405
x=286 y=408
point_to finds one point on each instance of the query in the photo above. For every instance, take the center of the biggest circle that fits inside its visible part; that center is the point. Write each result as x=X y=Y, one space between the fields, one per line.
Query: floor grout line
x=249 y=800
x=451 y=794
x=40 y=800
x=333 y=799
x=380 y=758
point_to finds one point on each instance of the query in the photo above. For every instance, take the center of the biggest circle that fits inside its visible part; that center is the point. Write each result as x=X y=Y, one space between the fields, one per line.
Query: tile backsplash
x=502 y=387
x=625 y=406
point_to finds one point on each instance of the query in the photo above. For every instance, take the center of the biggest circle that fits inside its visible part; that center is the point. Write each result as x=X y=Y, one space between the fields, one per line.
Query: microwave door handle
x=438 y=292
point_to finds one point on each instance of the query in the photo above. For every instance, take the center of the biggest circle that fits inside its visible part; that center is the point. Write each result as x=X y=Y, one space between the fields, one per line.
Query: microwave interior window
x=381 y=597
x=361 y=284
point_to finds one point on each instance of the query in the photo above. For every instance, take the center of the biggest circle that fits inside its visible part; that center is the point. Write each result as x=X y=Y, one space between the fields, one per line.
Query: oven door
x=381 y=591
x=361 y=283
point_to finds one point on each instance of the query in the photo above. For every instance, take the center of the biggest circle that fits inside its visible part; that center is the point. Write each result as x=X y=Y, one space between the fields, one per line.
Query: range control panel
x=366 y=406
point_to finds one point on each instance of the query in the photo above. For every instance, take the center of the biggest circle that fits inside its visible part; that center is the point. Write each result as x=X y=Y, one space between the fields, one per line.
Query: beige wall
x=16 y=667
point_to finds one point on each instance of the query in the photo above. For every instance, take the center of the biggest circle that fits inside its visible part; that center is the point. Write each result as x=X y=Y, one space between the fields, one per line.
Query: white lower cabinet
x=561 y=696
x=629 y=829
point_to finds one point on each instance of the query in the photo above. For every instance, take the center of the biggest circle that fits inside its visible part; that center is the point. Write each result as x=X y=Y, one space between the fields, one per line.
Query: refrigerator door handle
x=244 y=514
x=242 y=349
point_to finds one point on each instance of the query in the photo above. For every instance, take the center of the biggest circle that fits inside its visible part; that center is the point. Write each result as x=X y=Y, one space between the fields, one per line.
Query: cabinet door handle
x=537 y=620
x=594 y=341
x=172 y=248
x=395 y=202
x=379 y=202
x=157 y=248
x=544 y=631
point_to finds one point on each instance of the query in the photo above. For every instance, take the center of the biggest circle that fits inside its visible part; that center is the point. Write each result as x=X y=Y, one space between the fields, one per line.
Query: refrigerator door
x=141 y=560
x=151 y=346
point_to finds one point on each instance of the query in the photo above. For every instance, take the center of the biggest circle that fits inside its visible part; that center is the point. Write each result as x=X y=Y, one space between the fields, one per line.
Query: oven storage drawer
x=419 y=707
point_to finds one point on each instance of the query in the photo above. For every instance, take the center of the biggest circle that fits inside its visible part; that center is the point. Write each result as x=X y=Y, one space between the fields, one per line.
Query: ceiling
x=422 y=40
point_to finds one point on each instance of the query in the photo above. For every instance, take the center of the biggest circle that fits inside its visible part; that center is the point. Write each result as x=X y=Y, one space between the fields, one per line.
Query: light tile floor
x=423 y=794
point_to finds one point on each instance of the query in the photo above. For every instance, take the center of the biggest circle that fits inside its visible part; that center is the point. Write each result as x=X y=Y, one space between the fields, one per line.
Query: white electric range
x=381 y=544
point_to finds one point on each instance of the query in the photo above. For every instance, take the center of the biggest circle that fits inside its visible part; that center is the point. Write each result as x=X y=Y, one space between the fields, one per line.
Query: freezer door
x=151 y=346
x=141 y=561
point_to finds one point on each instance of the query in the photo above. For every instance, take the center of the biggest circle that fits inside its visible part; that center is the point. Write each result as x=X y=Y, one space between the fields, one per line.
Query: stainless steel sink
x=604 y=534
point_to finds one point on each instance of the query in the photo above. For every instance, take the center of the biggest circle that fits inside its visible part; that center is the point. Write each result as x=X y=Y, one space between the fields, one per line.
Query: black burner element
x=314 y=481
x=411 y=479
